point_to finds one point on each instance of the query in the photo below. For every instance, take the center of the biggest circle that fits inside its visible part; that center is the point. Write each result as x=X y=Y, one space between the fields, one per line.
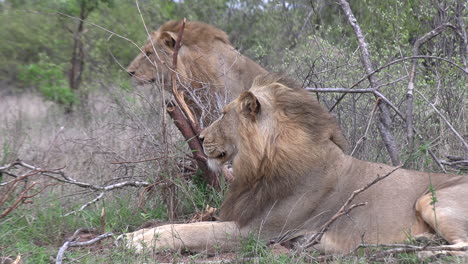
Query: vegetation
x=115 y=131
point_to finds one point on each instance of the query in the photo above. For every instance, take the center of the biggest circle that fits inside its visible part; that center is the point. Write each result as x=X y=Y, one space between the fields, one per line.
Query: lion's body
x=210 y=70
x=292 y=176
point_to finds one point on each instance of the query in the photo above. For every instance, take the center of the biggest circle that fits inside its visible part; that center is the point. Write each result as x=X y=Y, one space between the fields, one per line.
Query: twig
x=179 y=95
x=184 y=120
x=339 y=90
x=445 y=120
x=22 y=197
x=86 y=204
x=393 y=63
x=316 y=237
x=139 y=161
x=364 y=137
x=412 y=75
x=405 y=59
x=193 y=142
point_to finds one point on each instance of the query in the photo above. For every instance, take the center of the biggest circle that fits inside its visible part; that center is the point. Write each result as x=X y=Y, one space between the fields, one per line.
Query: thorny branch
x=316 y=237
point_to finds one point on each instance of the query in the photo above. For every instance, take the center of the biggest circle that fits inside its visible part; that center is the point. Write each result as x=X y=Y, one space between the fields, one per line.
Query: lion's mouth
x=217 y=155
x=221 y=155
x=214 y=153
x=216 y=159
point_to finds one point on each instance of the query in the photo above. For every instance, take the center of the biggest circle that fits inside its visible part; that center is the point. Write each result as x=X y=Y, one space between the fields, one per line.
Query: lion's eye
x=148 y=53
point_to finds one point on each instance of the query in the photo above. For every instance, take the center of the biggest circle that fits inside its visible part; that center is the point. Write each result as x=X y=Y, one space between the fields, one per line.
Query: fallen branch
x=60 y=176
x=402 y=248
x=316 y=237
x=460 y=163
x=71 y=242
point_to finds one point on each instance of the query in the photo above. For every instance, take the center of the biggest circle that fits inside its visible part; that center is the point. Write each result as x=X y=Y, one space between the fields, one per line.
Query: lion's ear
x=250 y=106
x=169 y=39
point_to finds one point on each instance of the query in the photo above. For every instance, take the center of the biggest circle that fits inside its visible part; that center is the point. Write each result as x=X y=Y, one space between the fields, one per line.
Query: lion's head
x=265 y=133
x=210 y=70
x=154 y=62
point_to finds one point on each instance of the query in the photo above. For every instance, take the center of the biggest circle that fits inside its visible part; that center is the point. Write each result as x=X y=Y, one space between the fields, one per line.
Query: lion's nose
x=131 y=73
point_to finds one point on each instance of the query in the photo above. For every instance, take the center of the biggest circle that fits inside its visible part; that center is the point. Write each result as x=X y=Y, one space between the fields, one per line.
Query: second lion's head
x=275 y=123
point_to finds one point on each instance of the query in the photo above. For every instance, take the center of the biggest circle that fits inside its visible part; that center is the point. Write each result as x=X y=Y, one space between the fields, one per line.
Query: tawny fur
x=291 y=176
x=210 y=70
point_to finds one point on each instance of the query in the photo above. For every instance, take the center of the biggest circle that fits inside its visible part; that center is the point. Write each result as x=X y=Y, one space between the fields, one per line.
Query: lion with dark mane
x=292 y=176
x=210 y=70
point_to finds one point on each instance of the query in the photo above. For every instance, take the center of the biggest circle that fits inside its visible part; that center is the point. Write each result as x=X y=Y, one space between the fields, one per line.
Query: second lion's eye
x=148 y=53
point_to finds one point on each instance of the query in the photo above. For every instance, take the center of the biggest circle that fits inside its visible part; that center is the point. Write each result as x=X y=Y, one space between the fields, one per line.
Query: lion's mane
x=270 y=162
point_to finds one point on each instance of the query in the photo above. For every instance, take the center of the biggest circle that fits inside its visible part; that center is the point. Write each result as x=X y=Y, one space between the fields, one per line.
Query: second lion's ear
x=250 y=106
x=169 y=39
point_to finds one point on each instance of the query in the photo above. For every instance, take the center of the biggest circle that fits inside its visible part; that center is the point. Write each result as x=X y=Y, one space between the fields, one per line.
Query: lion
x=210 y=70
x=292 y=176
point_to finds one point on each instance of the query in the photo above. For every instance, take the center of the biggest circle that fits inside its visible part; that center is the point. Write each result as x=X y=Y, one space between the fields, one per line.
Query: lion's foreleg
x=197 y=237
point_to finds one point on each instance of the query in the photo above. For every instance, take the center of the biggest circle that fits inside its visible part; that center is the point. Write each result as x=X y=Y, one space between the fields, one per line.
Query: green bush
x=49 y=78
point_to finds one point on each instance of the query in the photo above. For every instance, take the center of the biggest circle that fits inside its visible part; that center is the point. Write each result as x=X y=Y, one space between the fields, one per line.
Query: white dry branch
x=71 y=242
x=60 y=176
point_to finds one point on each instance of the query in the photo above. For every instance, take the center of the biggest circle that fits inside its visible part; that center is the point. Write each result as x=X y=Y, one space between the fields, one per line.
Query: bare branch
x=58 y=175
x=385 y=121
x=71 y=242
x=445 y=120
x=339 y=90
x=364 y=137
x=86 y=204
x=402 y=248
x=409 y=93
x=186 y=122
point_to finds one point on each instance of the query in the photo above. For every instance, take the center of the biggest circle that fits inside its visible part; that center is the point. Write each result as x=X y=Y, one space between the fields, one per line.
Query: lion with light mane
x=292 y=176
x=210 y=70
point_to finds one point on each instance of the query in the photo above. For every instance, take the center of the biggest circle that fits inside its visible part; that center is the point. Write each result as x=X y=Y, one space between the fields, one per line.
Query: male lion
x=209 y=68
x=292 y=176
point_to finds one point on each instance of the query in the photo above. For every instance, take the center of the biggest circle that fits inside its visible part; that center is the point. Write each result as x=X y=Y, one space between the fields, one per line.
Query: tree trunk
x=78 y=52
